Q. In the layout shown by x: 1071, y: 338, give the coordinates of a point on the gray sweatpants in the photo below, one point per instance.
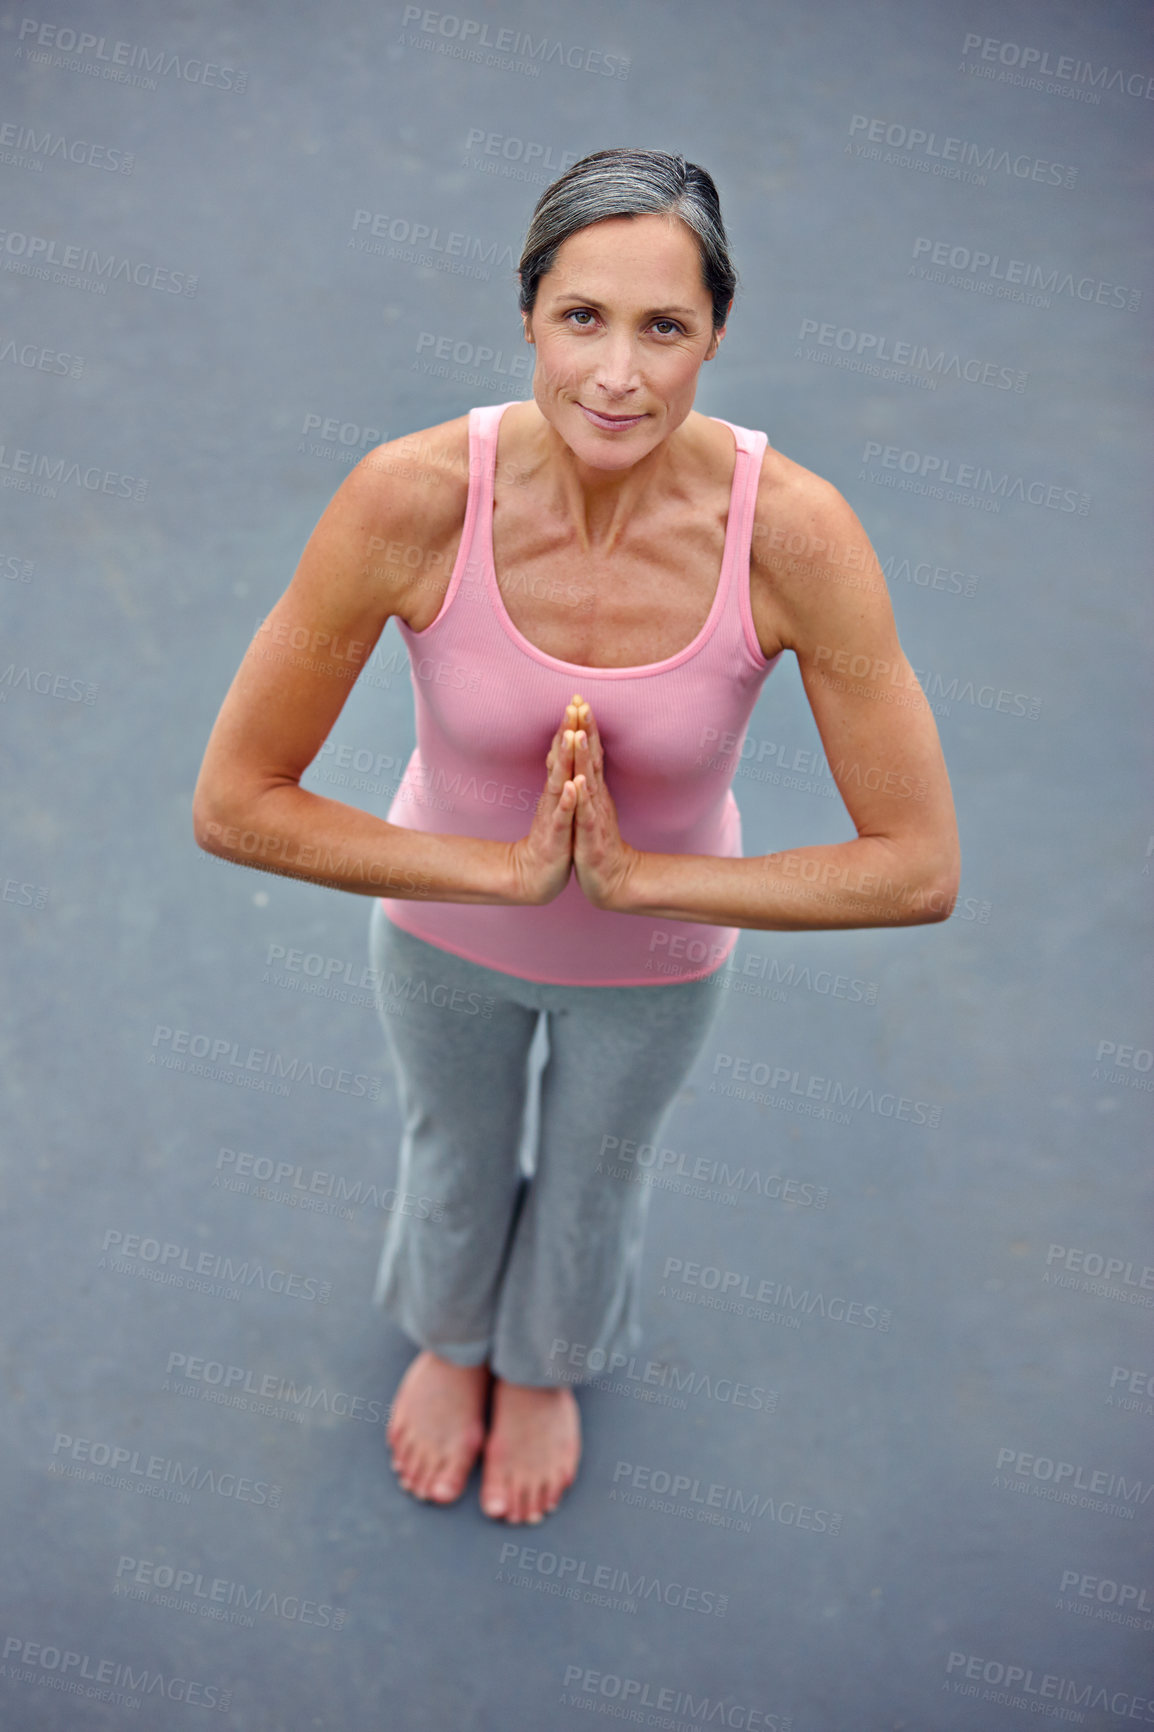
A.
x: 490, y: 1265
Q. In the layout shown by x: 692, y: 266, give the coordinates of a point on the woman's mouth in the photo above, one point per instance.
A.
x: 610, y: 423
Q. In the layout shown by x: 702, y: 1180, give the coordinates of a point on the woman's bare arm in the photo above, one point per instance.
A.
x: 296, y: 676
x: 879, y: 737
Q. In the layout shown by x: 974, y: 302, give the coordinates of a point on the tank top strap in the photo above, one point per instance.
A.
x: 736, y: 634
x: 483, y: 424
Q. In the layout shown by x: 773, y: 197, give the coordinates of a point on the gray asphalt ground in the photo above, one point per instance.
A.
x: 915, y: 1494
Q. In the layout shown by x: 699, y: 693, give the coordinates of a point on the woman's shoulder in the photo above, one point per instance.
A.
x: 422, y: 475
x: 788, y: 486
x: 795, y: 505
x: 807, y: 543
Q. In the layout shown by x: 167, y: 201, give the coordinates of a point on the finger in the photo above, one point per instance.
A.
x: 584, y: 755
x: 586, y: 720
x: 560, y: 760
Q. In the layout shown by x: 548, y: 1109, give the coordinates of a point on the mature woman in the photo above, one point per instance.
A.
x: 595, y: 582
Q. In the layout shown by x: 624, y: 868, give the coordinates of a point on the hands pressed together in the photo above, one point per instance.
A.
x: 575, y: 824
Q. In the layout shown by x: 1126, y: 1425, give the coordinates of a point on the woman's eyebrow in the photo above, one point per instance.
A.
x: 588, y: 301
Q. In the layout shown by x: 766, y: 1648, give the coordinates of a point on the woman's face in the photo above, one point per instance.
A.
x: 622, y: 325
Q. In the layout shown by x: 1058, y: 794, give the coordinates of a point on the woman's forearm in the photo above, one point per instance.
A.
x: 295, y: 833
x: 866, y: 882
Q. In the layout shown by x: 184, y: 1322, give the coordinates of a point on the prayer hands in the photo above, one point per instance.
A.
x: 602, y: 860
x: 575, y: 824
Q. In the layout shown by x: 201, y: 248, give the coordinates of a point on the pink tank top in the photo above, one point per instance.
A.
x: 487, y: 706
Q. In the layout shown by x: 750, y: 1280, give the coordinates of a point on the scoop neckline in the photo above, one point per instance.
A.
x: 519, y: 638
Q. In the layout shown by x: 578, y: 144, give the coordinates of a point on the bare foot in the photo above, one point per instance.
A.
x: 531, y: 1452
x: 437, y: 1426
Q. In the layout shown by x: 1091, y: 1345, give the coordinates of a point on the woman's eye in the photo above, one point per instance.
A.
x: 582, y: 314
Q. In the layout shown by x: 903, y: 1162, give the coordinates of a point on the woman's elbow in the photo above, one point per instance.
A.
x: 945, y: 881
x: 208, y: 828
x: 216, y: 815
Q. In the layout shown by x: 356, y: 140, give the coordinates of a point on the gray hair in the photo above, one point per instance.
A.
x: 615, y: 183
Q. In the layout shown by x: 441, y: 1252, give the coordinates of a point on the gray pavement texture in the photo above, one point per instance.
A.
x: 243, y: 243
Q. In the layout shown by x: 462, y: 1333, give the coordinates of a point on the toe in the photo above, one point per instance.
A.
x: 399, y: 1461
x: 446, y: 1482
x: 494, y: 1497
x: 410, y: 1470
x: 523, y: 1501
